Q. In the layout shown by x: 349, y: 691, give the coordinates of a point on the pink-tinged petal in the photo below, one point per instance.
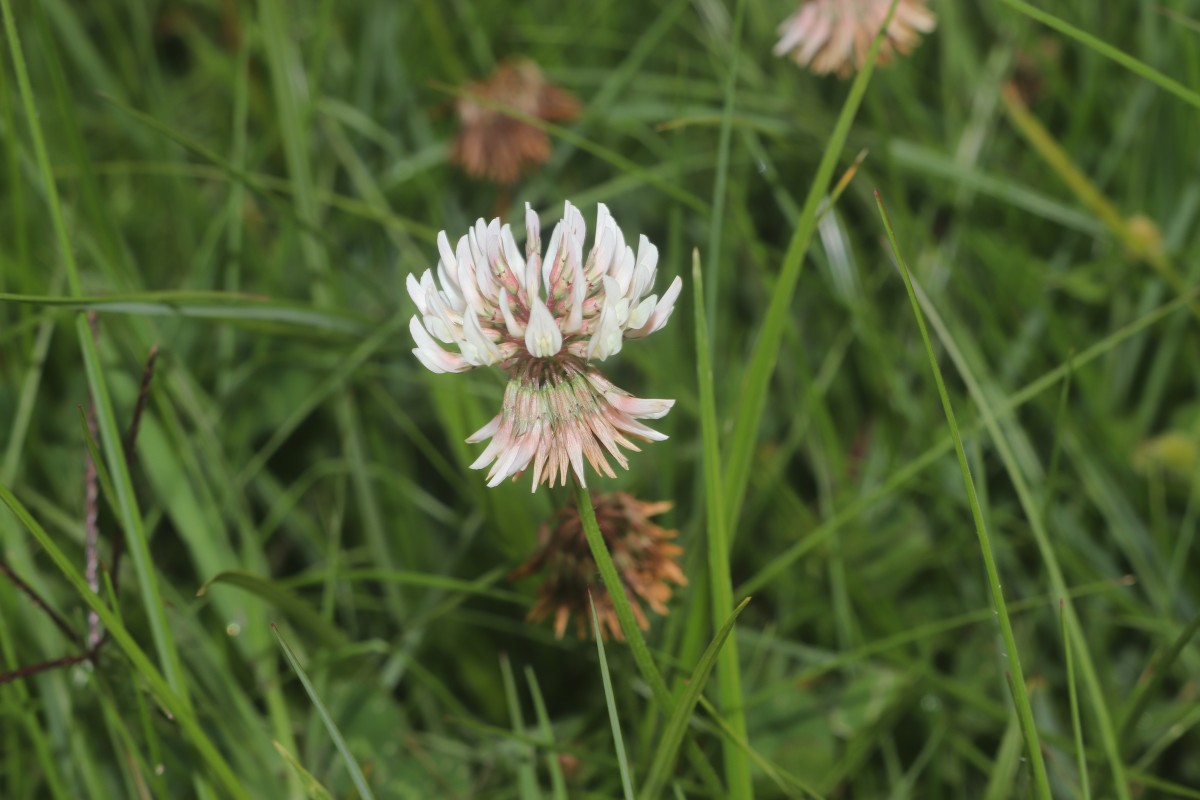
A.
x: 431, y: 354
x: 542, y: 336
x: 515, y: 328
x: 533, y: 233
x: 514, y: 264
x: 630, y: 425
x: 552, y: 265
x: 487, y: 431
x: 640, y: 408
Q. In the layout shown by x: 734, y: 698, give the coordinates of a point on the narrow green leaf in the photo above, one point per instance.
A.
x: 672, y: 735
x: 312, y: 786
x: 1085, y: 790
x: 610, y: 701
x: 301, y: 613
x: 1107, y: 50
x: 225, y: 306
x: 1033, y: 745
x: 757, y: 378
x: 356, y: 775
x: 729, y: 679
x: 558, y: 782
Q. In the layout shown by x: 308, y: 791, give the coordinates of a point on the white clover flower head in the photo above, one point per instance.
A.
x: 835, y: 35
x: 544, y: 322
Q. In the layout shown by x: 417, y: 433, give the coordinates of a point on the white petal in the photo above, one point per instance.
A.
x: 416, y: 292
x: 542, y: 337
x: 467, y: 283
x: 515, y: 328
x: 606, y: 341
x: 478, y: 349
x: 623, y: 270
x: 444, y: 250
x: 647, y: 267
x: 512, y: 254
x: 662, y: 311
x: 642, y: 313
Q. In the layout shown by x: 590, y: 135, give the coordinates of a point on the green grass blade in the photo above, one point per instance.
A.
x: 1032, y: 513
x: 1108, y: 51
x: 312, y: 786
x: 112, y: 623
x: 558, y: 782
x: 1154, y: 674
x: 620, y: 600
x: 299, y: 612
x: 67, y: 252
x: 729, y: 677
x: 527, y: 785
x: 907, y: 472
x: 205, y: 305
x: 1085, y: 789
x: 1020, y: 693
x: 757, y: 378
x: 611, y: 702
x: 356, y: 774
x: 672, y: 735
x: 717, y: 224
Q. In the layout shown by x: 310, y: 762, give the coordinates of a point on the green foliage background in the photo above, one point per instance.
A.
x: 298, y: 462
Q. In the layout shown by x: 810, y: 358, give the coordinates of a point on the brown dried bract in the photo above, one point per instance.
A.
x: 495, y: 146
x: 644, y: 555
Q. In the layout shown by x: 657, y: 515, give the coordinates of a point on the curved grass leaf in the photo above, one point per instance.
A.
x: 356, y: 774
x: 204, y: 305
x: 672, y: 735
x: 610, y: 701
x: 301, y: 613
x: 1020, y: 694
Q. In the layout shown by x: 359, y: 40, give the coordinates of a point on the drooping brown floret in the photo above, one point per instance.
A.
x: 495, y: 146
x: 644, y: 555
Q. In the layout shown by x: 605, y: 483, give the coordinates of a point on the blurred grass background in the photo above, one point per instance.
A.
x: 296, y: 452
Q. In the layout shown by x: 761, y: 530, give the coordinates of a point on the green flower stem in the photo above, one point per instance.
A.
x: 620, y: 600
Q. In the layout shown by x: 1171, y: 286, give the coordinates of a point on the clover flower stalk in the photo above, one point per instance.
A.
x: 546, y: 322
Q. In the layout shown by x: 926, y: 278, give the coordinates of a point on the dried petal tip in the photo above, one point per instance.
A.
x: 835, y: 35
x: 493, y: 145
x: 643, y: 552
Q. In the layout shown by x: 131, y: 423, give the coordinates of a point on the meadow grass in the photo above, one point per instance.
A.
x: 314, y: 602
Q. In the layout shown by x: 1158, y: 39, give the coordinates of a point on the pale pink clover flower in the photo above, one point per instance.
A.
x: 545, y: 322
x: 835, y: 35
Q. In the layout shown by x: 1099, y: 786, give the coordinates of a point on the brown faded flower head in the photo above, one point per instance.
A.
x: 493, y: 145
x: 835, y: 35
x: 643, y: 553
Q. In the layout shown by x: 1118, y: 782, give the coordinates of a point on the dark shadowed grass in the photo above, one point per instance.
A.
x: 246, y: 188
